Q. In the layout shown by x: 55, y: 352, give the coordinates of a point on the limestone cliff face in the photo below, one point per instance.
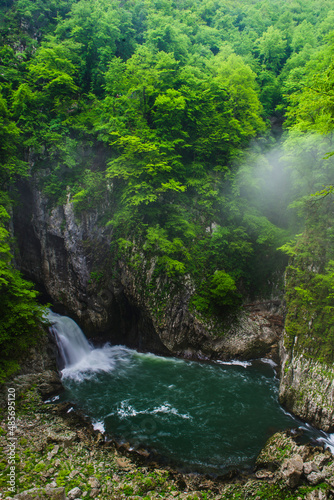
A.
x: 53, y: 254
x: 307, y: 373
x: 69, y: 257
x: 307, y: 388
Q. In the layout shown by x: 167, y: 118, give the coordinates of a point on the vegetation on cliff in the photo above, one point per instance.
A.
x: 164, y: 109
x: 310, y: 274
x: 19, y: 311
x: 310, y: 284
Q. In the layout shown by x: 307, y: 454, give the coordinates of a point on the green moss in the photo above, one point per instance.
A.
x: 40, y: 467
x: 127, y: 490
x: 309, y: 297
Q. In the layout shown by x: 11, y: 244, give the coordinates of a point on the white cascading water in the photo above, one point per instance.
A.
x: 81, y: 360
x: 72, y: 344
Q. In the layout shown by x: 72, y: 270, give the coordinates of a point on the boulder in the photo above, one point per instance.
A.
x: 316, y: 495
x: 310, y: 467
x: 42, y: 494
x: 291, y: 470
x: 65, y: 438
x: 94, y: 483
x: 278, y: 448
x: 315, y: 478
x: 74, y: 494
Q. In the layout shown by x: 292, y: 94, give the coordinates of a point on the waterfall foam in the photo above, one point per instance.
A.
x: 81, y: 360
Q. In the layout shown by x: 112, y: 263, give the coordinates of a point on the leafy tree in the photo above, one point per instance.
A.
x: 53, y: 73
x: 271, y: 47
x: 311, y: 108
x: 37, y: 15
x: 11, y: 165
x: 19, y: 311
x: 103, y: 29
x: 170, y: 254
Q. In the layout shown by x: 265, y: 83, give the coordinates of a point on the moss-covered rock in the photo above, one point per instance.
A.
x: 307, y: 389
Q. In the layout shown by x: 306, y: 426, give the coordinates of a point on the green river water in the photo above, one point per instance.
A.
x: 201, y: 416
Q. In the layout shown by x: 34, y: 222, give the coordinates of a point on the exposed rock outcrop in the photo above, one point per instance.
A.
x: 69, y: 257
x: 42, y: 494
x: 37, y: 368
x: 307, y: 389
x: 293, y: 464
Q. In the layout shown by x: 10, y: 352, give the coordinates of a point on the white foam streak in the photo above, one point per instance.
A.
x: 235, y: 362
x: 167, y: 408
x: 269, y: 362
x: 104, y: 359
x: 127, y: 410
x: 328, y: 441
x: 99, y: 426
x: 52, y: 400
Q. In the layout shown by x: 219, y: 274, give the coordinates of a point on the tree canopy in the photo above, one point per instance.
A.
x: 205, y: 123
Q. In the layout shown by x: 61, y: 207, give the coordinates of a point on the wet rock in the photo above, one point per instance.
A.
x: 74, y: 494
x: 49, y: 383
x: 279, y: 447
x: 42, y: 494
x: 46, y: 382
x: 291, y: 471
x: 144, y: 453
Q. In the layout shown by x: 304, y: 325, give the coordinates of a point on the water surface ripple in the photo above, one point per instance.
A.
x: 208, y: 417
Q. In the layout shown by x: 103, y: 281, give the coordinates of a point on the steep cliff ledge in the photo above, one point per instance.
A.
x: 307, y: 348
x: 117, y: 298
x: 307, y: 389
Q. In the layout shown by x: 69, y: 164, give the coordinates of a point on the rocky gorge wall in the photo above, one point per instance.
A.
x: 307, y: 388
x: 68, y: 256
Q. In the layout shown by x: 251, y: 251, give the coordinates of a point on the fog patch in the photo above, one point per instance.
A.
x: 275, y: 181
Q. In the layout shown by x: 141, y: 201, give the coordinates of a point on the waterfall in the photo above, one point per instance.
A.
x: 81, y: 360
x: 72, y: 343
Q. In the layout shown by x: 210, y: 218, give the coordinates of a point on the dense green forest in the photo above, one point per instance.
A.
x: 205, y: 126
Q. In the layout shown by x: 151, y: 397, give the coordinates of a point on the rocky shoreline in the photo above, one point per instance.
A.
x: 60, y: 456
